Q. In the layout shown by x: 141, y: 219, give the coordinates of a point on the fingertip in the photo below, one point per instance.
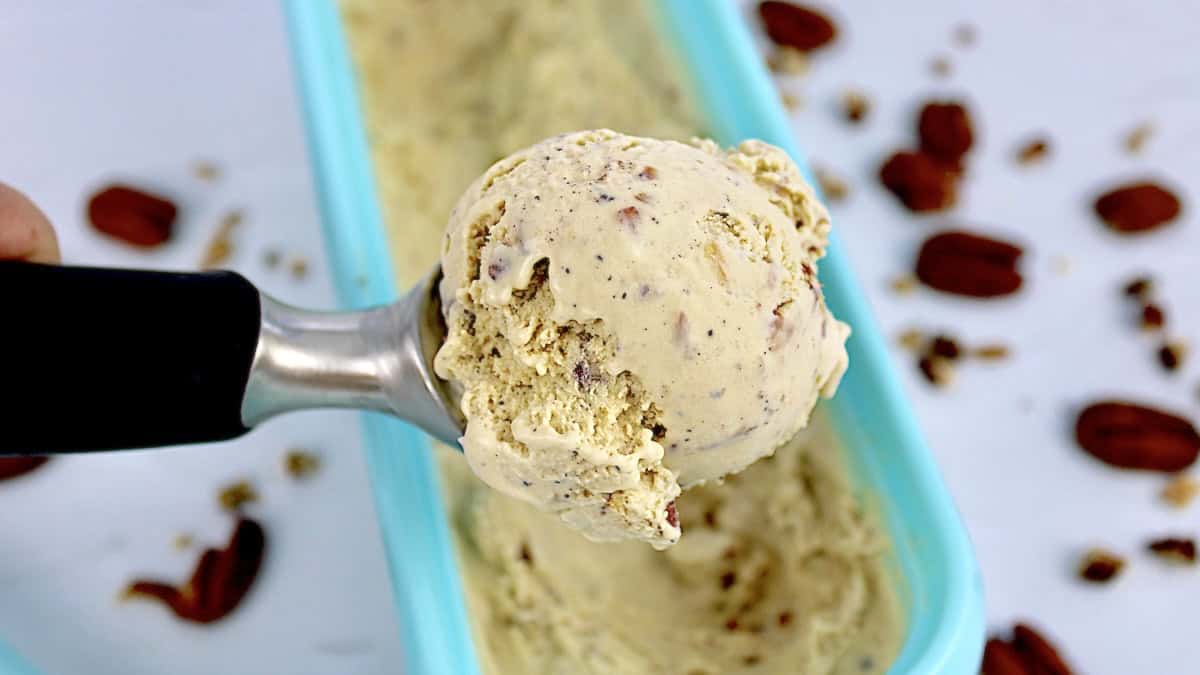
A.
x: 25, y: 232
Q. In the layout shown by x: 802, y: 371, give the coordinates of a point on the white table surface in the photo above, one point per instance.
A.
x: 95, y: 90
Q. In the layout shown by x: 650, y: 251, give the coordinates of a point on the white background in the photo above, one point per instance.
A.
x: 91, y: 91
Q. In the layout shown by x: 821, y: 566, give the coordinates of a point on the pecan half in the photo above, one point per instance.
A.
x: 131, y: 215
x: 795, y: 26
x: 1000, y: 658
x: 1132, y: 436
x: 220, y: 581
x: 1039, y: 655
x: 919, y: 181
x: 945, y: 130
x: 968, y: 264
x: 11, y: 467
x: 1137, y: 207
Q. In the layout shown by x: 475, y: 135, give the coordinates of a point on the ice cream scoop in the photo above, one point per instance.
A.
x: 102, y: 359
x: 629, y: 317
x: 615, y: 319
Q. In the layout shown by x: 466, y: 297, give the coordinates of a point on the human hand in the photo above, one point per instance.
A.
x: 25, y: 233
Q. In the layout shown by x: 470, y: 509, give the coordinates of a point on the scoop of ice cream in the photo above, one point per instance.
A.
x: 627, y: 316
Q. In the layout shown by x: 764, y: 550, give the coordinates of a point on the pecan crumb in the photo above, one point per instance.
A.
x: 752, y: 660
x: 904, y: 285
x: 496, y: 268
x: 1033, y: 151
x: 1153, y: 317
x: 1139, y: 287
x: 1062, y: 265
x: 300, y: 464
x: 728, y: 579
x: 272, y: 258
x: 235, y: 495
x: 658, y: 432
x: 299, y: 268
x: 786, y: 60
x: 585, y: 377
x: 940, y: 66
x: 1171, y: 355
x: 964, y: 35
x: 220, y: 247
x: 791, y: 101
x: 681, y: 330
x: 525, y: 554
x: 648, y: 173
x: 1135, y: 140
x: 833, y: 188
x: 945, y: 347
x: 629, y: 217
x: 1100, y: 566
x: 855, y: 106
x: 936, y: 370
x: 1174, y: 549
x: 182, y: 541
x: 672, y: 514
x: 1180, y: 491
x: 911, y: 339
x: 993, y: 352
x: 785, y: 617
x: 206, y: 171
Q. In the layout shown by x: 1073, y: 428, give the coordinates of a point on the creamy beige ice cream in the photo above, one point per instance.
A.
x: 778, y: 573
x: 448, y: 89
x: 454, y: 86
x: 627, y: 316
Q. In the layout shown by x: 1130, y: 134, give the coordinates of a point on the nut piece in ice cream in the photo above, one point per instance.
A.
x: 628, y: 317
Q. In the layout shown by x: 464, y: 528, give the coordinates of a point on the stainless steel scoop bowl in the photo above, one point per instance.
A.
x: 378, y: 359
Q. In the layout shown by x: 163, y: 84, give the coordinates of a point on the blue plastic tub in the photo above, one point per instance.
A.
x: 11, y: 663
x: 934, y: 564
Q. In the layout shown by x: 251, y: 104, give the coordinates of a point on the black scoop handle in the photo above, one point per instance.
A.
x: 103, y: 359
